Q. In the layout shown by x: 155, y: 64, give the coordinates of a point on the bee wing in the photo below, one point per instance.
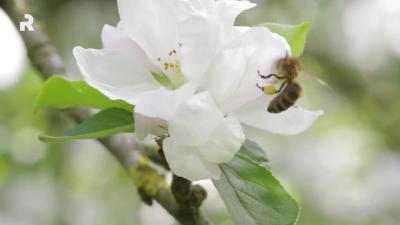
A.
x: 314, y: 77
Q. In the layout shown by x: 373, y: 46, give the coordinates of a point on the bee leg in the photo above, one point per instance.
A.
x: 273, y: 75
x: 287, y: 55
x: 270, y: 75
x: 281, y: 87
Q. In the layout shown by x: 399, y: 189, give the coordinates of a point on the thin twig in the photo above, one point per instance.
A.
x: 45, y: 58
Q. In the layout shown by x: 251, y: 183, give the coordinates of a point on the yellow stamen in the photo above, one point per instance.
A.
x: 173, y: 52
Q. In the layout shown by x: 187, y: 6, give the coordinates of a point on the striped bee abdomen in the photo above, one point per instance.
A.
x: 286, y: 98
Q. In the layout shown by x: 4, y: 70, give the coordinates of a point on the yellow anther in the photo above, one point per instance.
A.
x: 166, y: 66
x: 269, y: 90
x: 173, y: 52
x: 171, y: 65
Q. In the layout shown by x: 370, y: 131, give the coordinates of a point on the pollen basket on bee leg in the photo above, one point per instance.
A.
x: 269, y: 90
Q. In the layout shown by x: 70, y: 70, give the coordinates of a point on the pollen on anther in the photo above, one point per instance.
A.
x: 173, y: 52
x: 166, y: 66
x: 171, y: 65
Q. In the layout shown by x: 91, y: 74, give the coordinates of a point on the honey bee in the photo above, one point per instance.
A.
x: 290, y: 90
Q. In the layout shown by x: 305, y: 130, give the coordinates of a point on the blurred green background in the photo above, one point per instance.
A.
x: 344, y: 170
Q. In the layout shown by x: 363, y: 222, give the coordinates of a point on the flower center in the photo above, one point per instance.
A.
x: 171, y: 76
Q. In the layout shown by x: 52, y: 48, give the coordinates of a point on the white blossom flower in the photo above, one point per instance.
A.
x: 191, y: 74
x: 12, y: 52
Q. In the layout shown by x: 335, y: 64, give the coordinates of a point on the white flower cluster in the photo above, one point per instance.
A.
x: 191, y: 74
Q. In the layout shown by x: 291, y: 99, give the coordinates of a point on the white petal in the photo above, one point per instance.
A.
x: 12, y: 53
x: 292, y: 121
x: 187, y: 8
x: 196, y: 120
x: 225, y: 75
x: 263, y: 59
x: 116, y: 39
x: 199, y: 125
x: 201, y: 38
x: 205, y: 27
x: 184, y: 161
x: 224, y: 143
x: 152, y: 23
x: 232, y: 78
x: 263, y: 138
x: 162, y: 103
x: 256, y: 36
x: 225, y: 11
x: 228, y: 10
x: 263, y: 49
x: 156, y: 107
x: 145, y: 125
x: 117, y: 74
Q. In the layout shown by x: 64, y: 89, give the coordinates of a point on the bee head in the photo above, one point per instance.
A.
x: 289, y: 67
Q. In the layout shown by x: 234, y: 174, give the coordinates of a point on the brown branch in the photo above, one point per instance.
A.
x: 45, y: 58
x: 189, y: 197
x: 43, y: 55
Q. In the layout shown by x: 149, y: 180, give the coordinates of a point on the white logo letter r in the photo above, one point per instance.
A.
x: 28, y: 24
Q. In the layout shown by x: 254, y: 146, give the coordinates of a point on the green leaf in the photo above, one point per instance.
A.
x: 61, y: 93
x: 251, y: 193
x: 105, y: 123
x: 296, y: 35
